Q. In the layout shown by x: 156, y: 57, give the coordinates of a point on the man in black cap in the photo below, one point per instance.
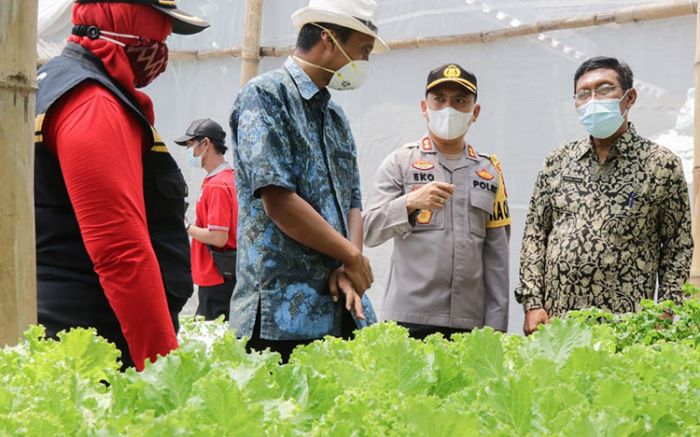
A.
x: 112, y: 253
x: 445, y: 207
x: 214, y: 231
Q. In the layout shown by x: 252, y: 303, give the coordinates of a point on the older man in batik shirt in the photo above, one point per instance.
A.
x: 610, y: 213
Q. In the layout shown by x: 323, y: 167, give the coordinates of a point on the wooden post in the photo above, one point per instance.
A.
x: 695, y: 265
x: 18, y: 21
x: 250, y: 55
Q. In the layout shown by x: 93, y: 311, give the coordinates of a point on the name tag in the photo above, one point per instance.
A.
x: 422, y: 177
x: 574, y: 179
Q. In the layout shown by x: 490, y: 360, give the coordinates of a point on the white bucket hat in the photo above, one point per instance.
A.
x: 359, y: 15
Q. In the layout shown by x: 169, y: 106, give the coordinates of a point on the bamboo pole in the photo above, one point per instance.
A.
x: 18, y: 21
x: 655, y: 11
x: 250, y: 55
x: 695, y: 264
x: 649, y: 12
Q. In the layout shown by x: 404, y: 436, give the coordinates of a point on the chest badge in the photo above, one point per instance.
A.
x: 423, y: 165
x: 424, y: 217
x: 484, y: 174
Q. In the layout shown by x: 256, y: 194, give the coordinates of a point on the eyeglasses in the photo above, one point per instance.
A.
x: 601, y: 91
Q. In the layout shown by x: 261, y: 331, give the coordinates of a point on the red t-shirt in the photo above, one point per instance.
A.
x: 217, y: 210
x: 100, y: 148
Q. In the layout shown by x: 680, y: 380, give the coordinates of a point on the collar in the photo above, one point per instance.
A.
x: 307, y: 88
x: 623, y: 146
x: 427, y: 146
x: 223, y: 166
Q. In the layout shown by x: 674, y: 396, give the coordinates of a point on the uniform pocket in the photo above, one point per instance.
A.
x: 426, y: 219
x: 631, y: 214
x: 631, y: 222
x: 430, y: 220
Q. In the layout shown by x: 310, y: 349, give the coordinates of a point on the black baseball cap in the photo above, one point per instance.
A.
x: 451, y: 73
x: 183, y: 23
x: 204, y: 127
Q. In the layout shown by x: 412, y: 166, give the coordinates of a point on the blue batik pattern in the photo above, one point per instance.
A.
x: 287, y: 133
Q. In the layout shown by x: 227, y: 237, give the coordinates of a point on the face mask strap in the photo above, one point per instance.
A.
x: 304, y: 61
x: 337, y: 43
x: 93, y: 32
x: 623, y: 96
x: 199, y: 143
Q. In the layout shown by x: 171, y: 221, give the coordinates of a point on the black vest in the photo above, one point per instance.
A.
x: 61, y: 254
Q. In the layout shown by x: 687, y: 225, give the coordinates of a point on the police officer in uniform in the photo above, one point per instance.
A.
x: 445, y: 207
x: 112, y: 251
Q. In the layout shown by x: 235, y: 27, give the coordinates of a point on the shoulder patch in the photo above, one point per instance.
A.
x: 495, y: 162
x: 501, y: 213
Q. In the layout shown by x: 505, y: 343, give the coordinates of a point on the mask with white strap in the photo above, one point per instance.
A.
x: 350, y: 76
x: 148, y: 58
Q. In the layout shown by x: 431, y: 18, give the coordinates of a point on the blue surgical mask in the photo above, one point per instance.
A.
x: 601, y: 117
x: 195, y: 161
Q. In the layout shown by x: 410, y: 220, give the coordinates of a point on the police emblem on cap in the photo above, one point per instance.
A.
x: 452, y: 71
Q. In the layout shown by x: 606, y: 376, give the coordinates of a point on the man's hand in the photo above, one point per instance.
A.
x: 340, y: 283
x: 430, y: 196
x: 359, y: 272
x: 533, y: 319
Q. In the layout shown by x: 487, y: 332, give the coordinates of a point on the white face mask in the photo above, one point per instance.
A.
x: 195, y: 161
x: 449, y: 123
x: 350, y: 76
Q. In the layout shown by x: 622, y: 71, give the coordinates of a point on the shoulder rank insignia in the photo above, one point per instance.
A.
x: 471, y: 152
x: 484, y: 174
x: 426, y: 145
x: 423, y: 165
x: 424, y: 217
x: 496, y: 162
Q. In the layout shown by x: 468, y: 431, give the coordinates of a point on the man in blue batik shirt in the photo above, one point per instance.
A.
x: 300, y: 270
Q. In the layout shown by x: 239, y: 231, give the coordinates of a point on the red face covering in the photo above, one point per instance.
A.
x: 146, y: 60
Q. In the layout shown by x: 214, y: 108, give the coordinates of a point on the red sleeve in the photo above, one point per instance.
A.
x: 222, y: 209
x: 99, y: 147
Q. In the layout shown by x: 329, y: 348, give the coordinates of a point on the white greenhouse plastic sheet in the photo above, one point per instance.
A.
x: 525, y: 85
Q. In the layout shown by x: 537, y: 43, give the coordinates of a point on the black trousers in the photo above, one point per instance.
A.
x: 419, y: 332
x: 215, y: 300
x: 285, y: 347
x: 66, y: 304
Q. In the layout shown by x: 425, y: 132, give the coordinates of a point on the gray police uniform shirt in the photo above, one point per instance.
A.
x: 450, y: 266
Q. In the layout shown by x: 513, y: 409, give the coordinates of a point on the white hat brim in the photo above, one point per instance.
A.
x: 312, y: 15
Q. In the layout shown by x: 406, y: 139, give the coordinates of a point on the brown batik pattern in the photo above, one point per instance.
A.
x: 599, y: 235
